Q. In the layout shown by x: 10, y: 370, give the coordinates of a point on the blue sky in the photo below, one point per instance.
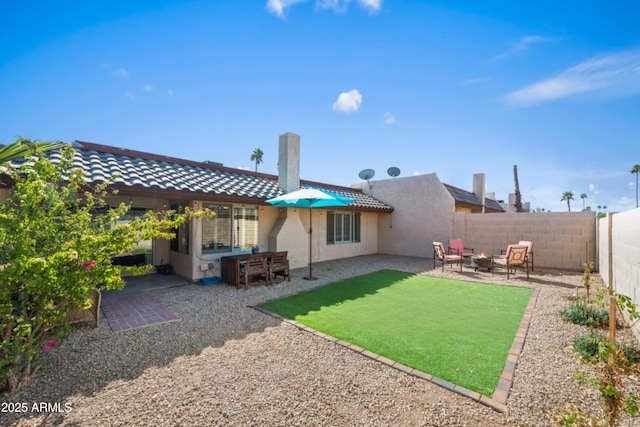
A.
x: 454, y: 88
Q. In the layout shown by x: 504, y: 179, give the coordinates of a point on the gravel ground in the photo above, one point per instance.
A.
x: 227, y: 364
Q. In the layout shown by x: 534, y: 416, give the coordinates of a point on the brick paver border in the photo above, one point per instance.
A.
x: 499, y: 399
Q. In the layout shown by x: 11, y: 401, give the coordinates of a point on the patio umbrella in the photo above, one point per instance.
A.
x: 309, y: 198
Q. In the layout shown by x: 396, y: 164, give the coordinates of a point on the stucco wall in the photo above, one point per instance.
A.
x: 293, y: 236
x: 423, y: 213
x: 625, y: 252
x: 290, y: 233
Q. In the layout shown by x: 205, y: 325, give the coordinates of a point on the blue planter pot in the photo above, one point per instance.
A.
x: 165, y: 269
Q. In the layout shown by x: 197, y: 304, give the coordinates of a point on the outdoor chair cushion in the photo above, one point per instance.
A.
x: 439, y: 254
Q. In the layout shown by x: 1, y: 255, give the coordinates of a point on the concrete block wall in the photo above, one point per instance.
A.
x: 560, y: 240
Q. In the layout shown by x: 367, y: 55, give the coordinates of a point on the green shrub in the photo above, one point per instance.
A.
x: 589, y: 347
x: 582, y: 313
x: 57, y: 239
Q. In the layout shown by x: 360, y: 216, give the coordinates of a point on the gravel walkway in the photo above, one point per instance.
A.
x: 227, y: 364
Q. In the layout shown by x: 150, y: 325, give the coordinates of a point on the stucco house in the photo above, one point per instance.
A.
x: 394, y: 216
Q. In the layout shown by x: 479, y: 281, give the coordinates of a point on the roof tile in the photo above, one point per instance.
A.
x: 101, y: 163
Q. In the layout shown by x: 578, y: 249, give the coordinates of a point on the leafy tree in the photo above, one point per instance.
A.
x: 56, y: 243
x: 583, y: 196
x: 636, y: 169
x: 568, y: 196
x: 22, y: 147
x: 257, y: 157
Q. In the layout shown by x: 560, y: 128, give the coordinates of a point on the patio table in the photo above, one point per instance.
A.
x: 230, y: 267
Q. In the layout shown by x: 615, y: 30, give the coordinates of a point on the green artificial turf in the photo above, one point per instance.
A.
x: 458, y: 331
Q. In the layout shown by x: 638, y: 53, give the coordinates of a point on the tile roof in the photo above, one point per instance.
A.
x: 134, y: 169
x: 464, y: 196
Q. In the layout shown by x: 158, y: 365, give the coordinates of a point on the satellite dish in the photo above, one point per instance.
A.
x: 393, y: 171
x: 367, y: 174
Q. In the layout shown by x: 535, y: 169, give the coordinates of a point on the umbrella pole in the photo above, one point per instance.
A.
x: 310, y: 239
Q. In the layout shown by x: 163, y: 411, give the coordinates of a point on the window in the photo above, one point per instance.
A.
x: 232, y: 228
x: 142, y: 253
x: 181, y: 242
x: 216, y: 231
x: 343, y: 227
x: 246, y: 227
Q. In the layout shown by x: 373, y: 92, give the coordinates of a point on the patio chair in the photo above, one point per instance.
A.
x: 439, y: 254
x: 529, y: 246
x: 456, y: 247
x: 516, y: 257
x: 255, y: 267
x: 279, y: 265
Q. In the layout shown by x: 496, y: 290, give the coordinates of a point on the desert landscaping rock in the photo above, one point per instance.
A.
x: 227, y: 364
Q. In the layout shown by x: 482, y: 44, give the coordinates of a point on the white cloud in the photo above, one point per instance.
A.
x: 415, y: 173
x: 341, y: 6
x: 373, y: 6
x: 147, y: 88
x: 169, y: 92
x: 348, y: 102
x: 121, y: 72
x: 130, y: 95
x: 521, y: 46
x: 595, y: 189
x: 615, y: 74
x: 626, y: 201
x: 389, y: 118
x: 631, y: 185
x: 475, y: 80
x: 278, y: 7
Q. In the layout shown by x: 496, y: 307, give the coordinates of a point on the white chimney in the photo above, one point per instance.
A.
x: 479, y: 188
x: 289, y: 162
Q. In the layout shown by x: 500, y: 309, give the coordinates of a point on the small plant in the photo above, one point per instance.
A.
x: 588, y: 347
x: 571, y: 416
x: 586, y: 276
x: 613, y: 361
x: 581, y: 312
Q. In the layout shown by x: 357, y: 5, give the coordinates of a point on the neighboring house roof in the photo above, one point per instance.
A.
x: 468, y: 198
x: 146, y: 171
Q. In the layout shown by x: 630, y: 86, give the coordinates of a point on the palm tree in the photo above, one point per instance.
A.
x: 518, y: 203
x: 583, y: 196
x: 22, y: 146
x: 568, y: 196
x: 257, y: 157
x: 636, y: 169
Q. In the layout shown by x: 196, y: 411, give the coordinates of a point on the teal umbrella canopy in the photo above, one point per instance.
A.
x: 310, y: 198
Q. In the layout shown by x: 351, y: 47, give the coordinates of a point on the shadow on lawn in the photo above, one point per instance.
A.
x: 337, y: 293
